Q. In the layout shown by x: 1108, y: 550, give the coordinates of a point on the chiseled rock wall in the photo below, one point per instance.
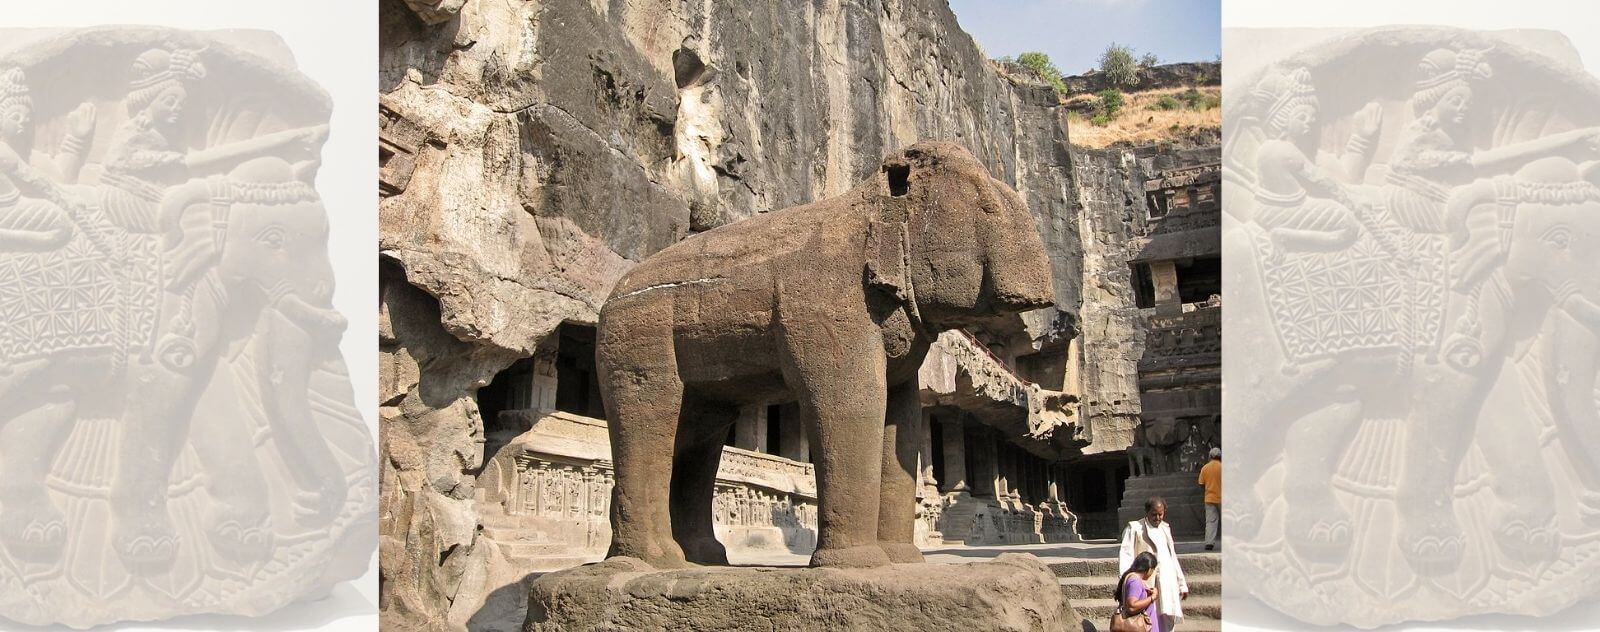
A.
x: 541, y: 148
x: 1109, y: 186
x: 1110, y: 191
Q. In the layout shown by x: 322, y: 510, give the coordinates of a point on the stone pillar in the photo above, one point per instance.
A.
x: 750, y: 431
x: 544, y: 381
x: 1002, y: 469
x: 925, y: 450
x: 1036, y: 478
x: 985, y: 481
x: 796, y: 445
x: 1111, y: 487
x: 955, y: 456
x: 1164, y: 276
x: 1055, y: 482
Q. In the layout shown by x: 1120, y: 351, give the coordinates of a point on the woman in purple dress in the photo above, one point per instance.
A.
x: 1134, y: 592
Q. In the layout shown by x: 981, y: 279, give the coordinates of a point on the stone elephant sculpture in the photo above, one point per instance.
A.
x: 246, y: 259
x: 834, y: 303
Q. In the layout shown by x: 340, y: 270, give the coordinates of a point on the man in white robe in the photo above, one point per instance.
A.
x: 1152, y: 533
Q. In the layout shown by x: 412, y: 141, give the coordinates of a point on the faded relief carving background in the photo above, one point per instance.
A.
x: 178, y: 432
x: 1411, y: 243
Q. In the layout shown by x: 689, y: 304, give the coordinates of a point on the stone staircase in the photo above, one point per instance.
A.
x: 1185, y: 502
x: 1089, y: 582
x: 528, y: 548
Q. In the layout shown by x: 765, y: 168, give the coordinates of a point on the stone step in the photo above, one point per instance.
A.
x: 1100, y: 586
x: 1190, y: 624
x: 1193, y: 564
x: 514, y: 534
x: 522, y: 550
x: 1099, y: 610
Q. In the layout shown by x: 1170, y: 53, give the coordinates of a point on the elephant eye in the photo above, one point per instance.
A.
x: 272, y: 237
x: 1559, y: 237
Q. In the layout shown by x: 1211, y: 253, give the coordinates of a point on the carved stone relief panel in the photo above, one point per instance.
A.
x: 176, y: 435
x: 1412, y: 256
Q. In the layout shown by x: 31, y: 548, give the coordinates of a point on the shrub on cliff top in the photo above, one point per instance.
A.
x: 1117, y: 62
x: 1040, y: 63
x: 1111, y: 102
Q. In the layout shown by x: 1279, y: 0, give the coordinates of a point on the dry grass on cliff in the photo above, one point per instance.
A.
x: 1141, y: 120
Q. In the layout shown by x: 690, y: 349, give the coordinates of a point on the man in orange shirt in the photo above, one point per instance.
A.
x: 1211, y: 479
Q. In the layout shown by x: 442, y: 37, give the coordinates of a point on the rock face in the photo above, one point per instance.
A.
x: 1013, y: 592
x: 533, y: 152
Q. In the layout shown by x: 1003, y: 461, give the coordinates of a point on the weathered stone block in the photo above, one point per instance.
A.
x: 1012, y: 592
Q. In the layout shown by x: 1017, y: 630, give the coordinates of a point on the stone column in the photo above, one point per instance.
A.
x: 544, y: 381
x: 1164, y: 276
x: 985, y: 481
x: 750, y: 431
x: 1055, y: 482
x: 927, y: 450
x: 1002, y: 468
x: 796, y: 446
x: 955, y: 456
x: 1111, y: 486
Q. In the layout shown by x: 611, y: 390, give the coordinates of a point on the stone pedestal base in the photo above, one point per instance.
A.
x: 1013, y: 592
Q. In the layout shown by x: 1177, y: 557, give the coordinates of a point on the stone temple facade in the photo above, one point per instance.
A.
x: 533, y: 152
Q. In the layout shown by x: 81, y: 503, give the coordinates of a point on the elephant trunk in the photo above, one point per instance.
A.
x: 1584, y: 310
x: 1572, y: 356
x: 289, y: 353
x: 1018, y: 269
x: 318, y: 321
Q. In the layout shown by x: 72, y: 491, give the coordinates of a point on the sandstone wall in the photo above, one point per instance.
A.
x: 1109, y: 190
x: 534, y: 150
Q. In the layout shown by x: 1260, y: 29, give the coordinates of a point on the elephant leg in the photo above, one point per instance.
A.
x: 1266, y: 413
x: 701, y: 429
x: 238, y: 524
x: 643, y: 396
x: 1446, y: 402
x: 897, y: 502
x: 155, y: 430
x: 835, y: 368
x: 31, y: 526
x: 1524, y: 518
x: 1317, y: 526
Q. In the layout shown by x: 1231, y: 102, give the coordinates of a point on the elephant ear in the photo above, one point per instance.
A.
x: 194, y: 219
x: 886, y: 259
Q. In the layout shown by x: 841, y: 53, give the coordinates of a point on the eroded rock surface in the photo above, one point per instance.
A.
x: 1014, y: 592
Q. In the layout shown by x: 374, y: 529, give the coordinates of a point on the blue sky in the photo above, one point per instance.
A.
x: 1074, y: 32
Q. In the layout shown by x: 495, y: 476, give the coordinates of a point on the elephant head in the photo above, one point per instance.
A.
x: 259, y: 237
x: 1541, y: 227
x: 959, y: 245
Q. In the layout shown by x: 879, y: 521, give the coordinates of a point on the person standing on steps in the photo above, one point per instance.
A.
x: 1151, y: 534
x: 1211, y: 479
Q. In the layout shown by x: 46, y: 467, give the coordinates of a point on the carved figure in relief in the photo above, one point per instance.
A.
x: 833, y: 303
x: 32, y: 227
x: 1302, y: 208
